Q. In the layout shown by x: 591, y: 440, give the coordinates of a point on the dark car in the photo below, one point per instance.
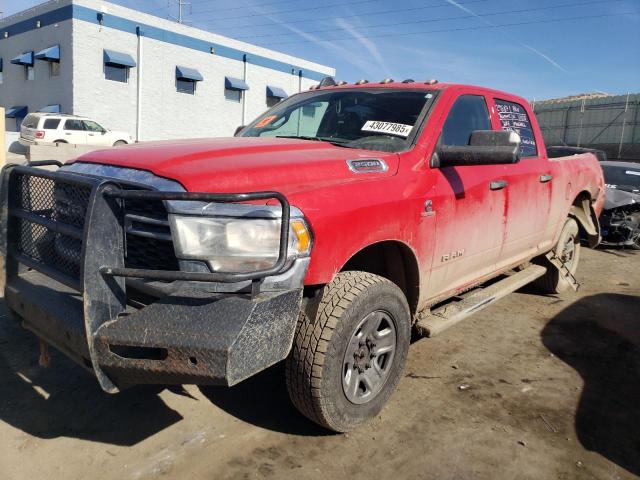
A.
x: 620, y: 219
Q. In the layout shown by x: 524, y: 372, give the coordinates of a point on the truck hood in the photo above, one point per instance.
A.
x: 244, y: 164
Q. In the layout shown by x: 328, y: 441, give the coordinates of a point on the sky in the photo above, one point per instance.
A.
x: 538, y: 49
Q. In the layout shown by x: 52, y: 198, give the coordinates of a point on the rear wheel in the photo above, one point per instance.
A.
x: 568, y: 250
x: 119, y: 142
x: 348, y: 359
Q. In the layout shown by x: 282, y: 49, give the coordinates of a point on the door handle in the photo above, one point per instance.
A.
x: 498, y: 184
x: 546, y: 178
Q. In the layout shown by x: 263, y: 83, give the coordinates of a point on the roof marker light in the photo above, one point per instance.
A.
x: 387, y: 80
x: 327, y: 82
x: 362, y: 82
x: 408, y: 80
x: 433, y: 81
x: 341, y: 82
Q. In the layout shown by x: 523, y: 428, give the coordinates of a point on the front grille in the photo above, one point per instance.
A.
x: 149, y: 243
x: 65, y: 203
x: 148, y: 236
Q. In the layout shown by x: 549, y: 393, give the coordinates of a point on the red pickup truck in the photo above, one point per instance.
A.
x: 321, y: 235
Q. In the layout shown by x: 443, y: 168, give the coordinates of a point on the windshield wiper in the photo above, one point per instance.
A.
x: 332, y: 140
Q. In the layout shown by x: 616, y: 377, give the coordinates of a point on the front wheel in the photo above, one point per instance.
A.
x: 347, y: 360
x: 119, y: 142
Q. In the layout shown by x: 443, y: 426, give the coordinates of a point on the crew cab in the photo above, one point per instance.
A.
x: 320, y: 235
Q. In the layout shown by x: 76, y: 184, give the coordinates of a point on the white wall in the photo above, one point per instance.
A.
x: 43, y: 90
x: 166, y: 113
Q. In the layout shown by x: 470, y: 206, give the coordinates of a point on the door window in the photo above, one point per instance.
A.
x: 92, y: 126
x: 514, y: 118
x: 73, y: 125
x: 469, y: 113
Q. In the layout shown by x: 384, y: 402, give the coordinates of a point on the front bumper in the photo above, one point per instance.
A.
x: 193, y: 335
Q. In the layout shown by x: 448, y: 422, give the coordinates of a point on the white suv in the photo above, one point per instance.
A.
x: 39, y: 128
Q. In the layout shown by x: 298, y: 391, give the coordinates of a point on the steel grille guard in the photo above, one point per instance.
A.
x: 102, y: 271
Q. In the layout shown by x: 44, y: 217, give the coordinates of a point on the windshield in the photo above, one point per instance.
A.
x: 622, y: 178
x: 371, y: 119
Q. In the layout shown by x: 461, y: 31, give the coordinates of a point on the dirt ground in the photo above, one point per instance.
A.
x: 552, y: 391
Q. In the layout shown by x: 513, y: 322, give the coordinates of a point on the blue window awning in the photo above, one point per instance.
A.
x: 51, y: 54
x: 235, y: 84
x: 51, y: 108
x: 118, y: 59
x: 16, y: 112
x: 24, y: 59
x: 184, y: 73
x: 276, y: 92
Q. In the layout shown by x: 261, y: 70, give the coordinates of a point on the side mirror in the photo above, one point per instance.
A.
x: 238, y: 130
x: 486, y: 147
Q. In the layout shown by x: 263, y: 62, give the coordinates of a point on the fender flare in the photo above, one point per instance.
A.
x: 587, y: 219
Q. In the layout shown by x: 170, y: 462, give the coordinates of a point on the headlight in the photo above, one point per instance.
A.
x: 236, y: 245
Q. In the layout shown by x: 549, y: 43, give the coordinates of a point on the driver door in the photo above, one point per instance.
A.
x: 469, y: 203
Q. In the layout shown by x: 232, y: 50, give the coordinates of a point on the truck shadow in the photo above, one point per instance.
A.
x: 599, y: 336
x: 66, y: 401
x: 263, y: 401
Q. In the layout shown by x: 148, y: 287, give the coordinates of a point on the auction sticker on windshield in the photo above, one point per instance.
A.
x: 399, y: 129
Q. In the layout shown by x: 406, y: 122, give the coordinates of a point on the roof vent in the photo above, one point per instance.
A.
x: 362, y: 82
x: 387, y: 80
x: 408, y: 80
x: 433, y: 81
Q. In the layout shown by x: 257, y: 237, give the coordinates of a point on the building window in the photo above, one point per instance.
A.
x: 233, y: 95
x: 29, y: 73
x: 186, y: 86
x: 116, y: 73
x: 54, y: 69
x: 1, y: 78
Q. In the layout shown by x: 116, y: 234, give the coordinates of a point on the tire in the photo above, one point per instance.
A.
x: 569, y: 240
x: 119, y: 142
x: 60, y: 141
x: 321, y: 369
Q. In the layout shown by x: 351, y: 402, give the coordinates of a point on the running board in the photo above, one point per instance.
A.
x: 436, y: 321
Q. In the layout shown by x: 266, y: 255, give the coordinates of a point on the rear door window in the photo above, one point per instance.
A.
x: 514, y: 118
x: 469, y: 113
x: 51, y: 123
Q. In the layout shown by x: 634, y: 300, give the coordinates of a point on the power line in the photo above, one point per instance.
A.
x: 197, y: 2
x: 430, y: 20
x: 364, y: 14
x: 450, y: 30
x: 306, y: 9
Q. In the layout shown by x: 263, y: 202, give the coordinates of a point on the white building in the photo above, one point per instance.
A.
x: 136, y: 72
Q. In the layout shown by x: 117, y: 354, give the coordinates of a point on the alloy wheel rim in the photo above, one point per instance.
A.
x: 369, y: 357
